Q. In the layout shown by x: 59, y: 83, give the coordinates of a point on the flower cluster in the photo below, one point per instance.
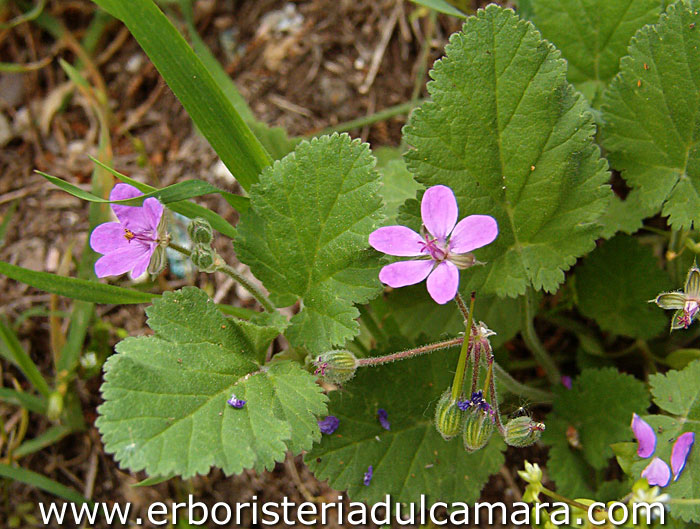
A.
x: 442, y: 249
x: 657, y: 471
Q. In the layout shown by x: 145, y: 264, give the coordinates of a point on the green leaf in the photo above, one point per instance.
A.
x: 306, y: 236
x: 25, y: 400
x: 194, y: 86
x: 592, y: 34
x: 398, y: 185
x: 75, y: 288
x: 614, y: 285
x: 410, y: 459
x: 513, y: 140
x: 165, y: 407
x: 11, y: 349
x: 651, y: 113
x: 441, y: 6
x: 680, y: 358
x: 598, y: 408
x: 625, y: 215
x: 41, y: 482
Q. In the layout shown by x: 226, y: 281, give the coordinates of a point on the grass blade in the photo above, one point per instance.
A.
x: 41, y: 482
x: 11, y: 349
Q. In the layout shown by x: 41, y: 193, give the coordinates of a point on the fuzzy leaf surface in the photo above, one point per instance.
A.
x: 306, y: 233
x: 592, y: 35
x: 651, y: 115
x: 598, y: 408
x: 614, y: 284
x: 514, y: 140
x: 165, y: 395
x: 410, y: 459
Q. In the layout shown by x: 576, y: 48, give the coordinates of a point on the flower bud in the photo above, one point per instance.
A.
x: 336, y: 366
x: 158, y: 261
x: 200, y: 231
x: 55, y: 406
x: 448, y: 416
x: 204, y: 258
x: 523, y: 431
x: 478, y: 429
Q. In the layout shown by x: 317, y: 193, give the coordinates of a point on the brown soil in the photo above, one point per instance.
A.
x: 317, y: 74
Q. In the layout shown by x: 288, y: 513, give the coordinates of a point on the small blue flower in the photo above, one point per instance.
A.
x: 383, y: 417
x: 329, y: 424
x: 368, y: 475
x: 236, y: 403
x: 477, y: 401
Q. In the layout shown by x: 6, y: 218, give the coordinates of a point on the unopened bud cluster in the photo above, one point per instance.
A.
x: 203, y: 256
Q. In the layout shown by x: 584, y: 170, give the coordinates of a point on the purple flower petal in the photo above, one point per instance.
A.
x: 473, y: 232
x: 680, y: 452
x: 329, y: 424
x: 108, y: 237
x: 405, y: 273
x: 383, y: 417
x: 397, y: 240
x: 566, y: 381
x: 657, y: 473
x: 141, y: 265
x: 443, y: 282
x: 367, y: 479
x: 439, y: 211
x: 131, y: 216
x: 153, y: 211
x: 646, y: 438
x: 122, y: 260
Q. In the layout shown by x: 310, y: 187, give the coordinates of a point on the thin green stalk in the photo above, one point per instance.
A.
x: 518, y: 388
x: 464, y: 353
x: 232, y: 273
x: 382, y: 115
x: 532, y: 340
x: 408, y: 353
x: 564, y: 499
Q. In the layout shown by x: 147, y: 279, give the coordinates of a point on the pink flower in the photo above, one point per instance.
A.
x: 443, y: 249
x: 657, y: 472
x: 131, y: 243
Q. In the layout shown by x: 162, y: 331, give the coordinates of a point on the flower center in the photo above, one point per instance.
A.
x: 437, y: 250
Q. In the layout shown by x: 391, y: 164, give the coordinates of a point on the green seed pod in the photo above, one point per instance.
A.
x: 158, y: 261
x: 336, y: 366
x: 478, y: 429
x: 200, y: 231
x: 204, y: 258
x: 448, y: 416
x: 523, y: 431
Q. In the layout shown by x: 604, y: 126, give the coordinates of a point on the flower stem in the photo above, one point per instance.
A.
x: 458, y: 380
x: 462, y: 307
x: 532, y: 340
x: 408, y: 353
x: 232, y: 273
x: 563, y: 499
x: 518, y: 388
x: 494, y: 398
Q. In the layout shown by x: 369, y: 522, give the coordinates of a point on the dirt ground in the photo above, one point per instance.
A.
x: 304, y: 66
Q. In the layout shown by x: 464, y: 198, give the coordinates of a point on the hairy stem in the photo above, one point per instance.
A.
x: 408, y: 353
x: 563, y: 499
x: 232, y: 273
x: 532, y: 340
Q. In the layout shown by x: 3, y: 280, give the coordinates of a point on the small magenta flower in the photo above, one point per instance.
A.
x: 443, y: 248
x: 383, y: 417
x: 657, y: 471
x: 566, y: 381
x: 367, y: 479
x: 136, y: 243
x: 686, y: 303
x: 235, y: 402
x: 329, y: 424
